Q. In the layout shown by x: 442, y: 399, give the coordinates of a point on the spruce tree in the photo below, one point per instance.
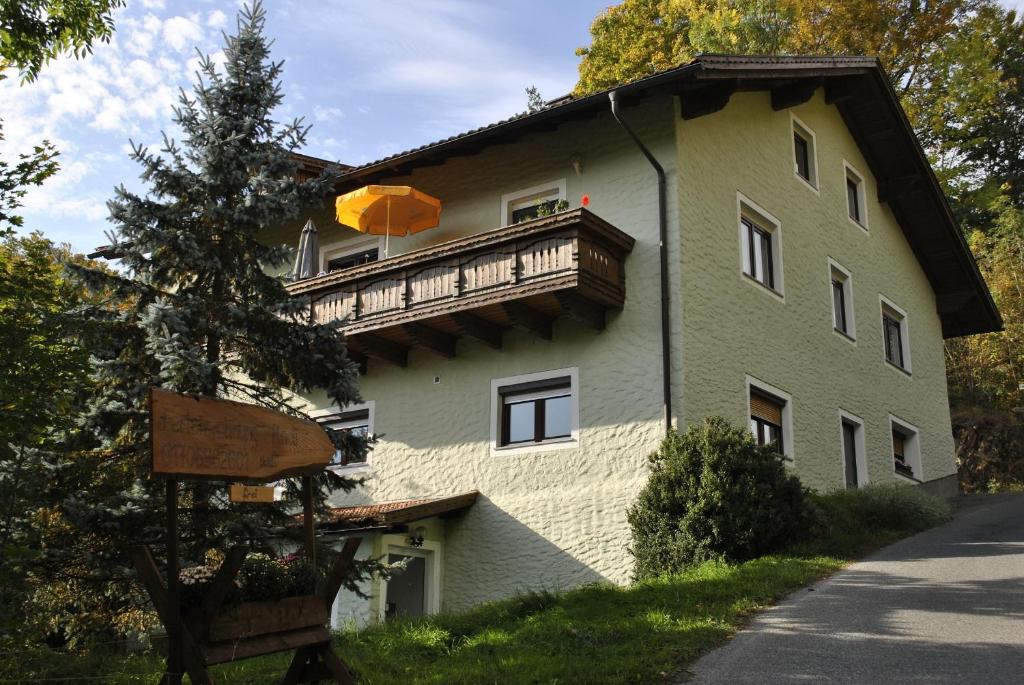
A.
x: 197, y: 309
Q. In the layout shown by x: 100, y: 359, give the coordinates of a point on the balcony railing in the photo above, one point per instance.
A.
x: 525, y: 275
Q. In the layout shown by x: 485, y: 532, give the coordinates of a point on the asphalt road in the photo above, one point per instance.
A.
x: 945, y: 606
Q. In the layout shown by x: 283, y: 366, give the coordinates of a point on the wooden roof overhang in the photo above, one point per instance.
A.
x: 387, y: 515
x: 861, y: 91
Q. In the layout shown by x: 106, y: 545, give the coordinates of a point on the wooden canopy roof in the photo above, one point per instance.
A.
x: 389, y: 513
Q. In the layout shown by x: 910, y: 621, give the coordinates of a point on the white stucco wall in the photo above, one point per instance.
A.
x: 733, y: 327
x: 550, y: 519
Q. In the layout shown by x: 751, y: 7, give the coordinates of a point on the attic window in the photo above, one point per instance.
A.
x: 856, y: 205
x: 804, y: 154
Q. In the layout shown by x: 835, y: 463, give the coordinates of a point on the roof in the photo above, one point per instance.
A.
x: 390, y: 513
x: 857, y: 86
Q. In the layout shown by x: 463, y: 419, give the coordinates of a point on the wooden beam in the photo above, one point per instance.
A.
x: 483, y: 330
x: 581, y: 309
x: 881, y: 134
x: 891, y: 188
x: 529, y: 318
x: 431, y: 339
x: 706, y: 100
x: 792, y: 94
x: 841, y: 88
x: 380, y: 348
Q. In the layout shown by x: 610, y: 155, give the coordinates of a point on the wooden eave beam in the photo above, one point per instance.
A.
x: 707, y: 100
x: 581, y: 309
x: 842, y: 88
x: 895, y: 187
x: 474, y: 326
x: 431, y: 339
x: 380, y: 348
x: 529, y: 318
x: 792, y: 94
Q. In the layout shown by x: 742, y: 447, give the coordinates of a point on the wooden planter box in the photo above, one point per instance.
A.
x: 253, y: 628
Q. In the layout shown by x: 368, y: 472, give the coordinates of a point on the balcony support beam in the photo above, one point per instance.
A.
x: 380, y: 348
x: 359, y: 358
x: 431, y: 339
x: 483, y: 330
x: 583, y: 310
x: 529, y: 318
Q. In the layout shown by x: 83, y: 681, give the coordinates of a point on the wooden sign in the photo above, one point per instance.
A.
x: 204, y: 437
x: 251, y: 493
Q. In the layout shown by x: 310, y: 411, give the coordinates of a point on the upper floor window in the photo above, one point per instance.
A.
x: 855, y: 198
x: 523, y: 205
x: 356, y: 421
x: 906, y: 449
x: 760, y: 247
x: 842, y: 299
x: 894, y: 335
x: 350, y: 253
x: 535, y: 410
x: 804, y: 155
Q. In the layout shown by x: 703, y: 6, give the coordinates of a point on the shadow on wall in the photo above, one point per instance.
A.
x: 491, y: 555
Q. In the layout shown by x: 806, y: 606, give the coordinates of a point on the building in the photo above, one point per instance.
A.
x: 519, y: 370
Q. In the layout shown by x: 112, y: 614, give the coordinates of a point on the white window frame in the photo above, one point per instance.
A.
x: 343, y: 248
x: 911, y: 448
x: 835, y: 269
x: 904, y: 321
x: 572, y: 442
x: 797, y: 126
x: 756, y: 384
x: 370, y: 408
x: 751, y: 211
x: 851, y: 172
x: 859, y: 444
x: 431, y: 550
x: 552, y: 190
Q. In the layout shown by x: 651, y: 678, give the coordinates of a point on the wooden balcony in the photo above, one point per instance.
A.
x: 527, y: 275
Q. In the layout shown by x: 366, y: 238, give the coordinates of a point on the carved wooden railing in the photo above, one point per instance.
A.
x: 576, y: 257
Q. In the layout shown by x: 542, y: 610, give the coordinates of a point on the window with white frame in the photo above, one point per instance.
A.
x: 350, y: 253
x: 851, y: 431
x: 841, y: 287
x: 906, y: 449
x: 770, y: 416
x: 760, y: 246
x: 804, y: 154
x: 856, y: 201
x: 347, y: 429
x: 535, y: 411
x: 523, y: 205
x: 895, y: 335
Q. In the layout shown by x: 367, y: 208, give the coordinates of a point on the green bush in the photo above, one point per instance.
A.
x: 891, y: 507
x: 713, y: 493
x: 262, y: 578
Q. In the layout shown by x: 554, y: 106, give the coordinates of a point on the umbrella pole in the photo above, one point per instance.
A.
x: 387, y: 228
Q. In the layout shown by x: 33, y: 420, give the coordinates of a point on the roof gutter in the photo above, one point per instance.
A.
x: 666, y: 349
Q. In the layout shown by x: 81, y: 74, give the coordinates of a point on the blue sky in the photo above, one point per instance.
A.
x: 373, y: 78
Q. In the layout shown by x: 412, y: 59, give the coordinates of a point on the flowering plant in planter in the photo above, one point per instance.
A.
x: 260, y: 578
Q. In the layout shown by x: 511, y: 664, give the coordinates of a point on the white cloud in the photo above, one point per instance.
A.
x: 182, y: 33
x: 154, y: 4
x: 326, y: 113
x: 217, y: 19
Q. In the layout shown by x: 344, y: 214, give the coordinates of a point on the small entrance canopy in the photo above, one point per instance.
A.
x: 387, y: 514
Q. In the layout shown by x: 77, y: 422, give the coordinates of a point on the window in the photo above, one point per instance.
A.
x: 350, y: 253
x: 842, y: 299
x: 804, y: 156
x: 851, y: 431
x: 759, y: 263
x: 356, y: 421
x: 523, y: 205
x: 894, y: 335
x: 906, y: 449
x: 770, y: 416
x: 855, y: 201
x: 760, y: 246
x: 536, y: 410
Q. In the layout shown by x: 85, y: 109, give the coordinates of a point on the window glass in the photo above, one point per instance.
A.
x: 839, y: 305
x: 757, y: 244
x: 893, y: 340
x: 853, y: 199
x: 339, y: 427
x: 802, y: 150
x: 350, y: 260
x: 520, y: 418
x: 557, y: 417
x: 532, y: 211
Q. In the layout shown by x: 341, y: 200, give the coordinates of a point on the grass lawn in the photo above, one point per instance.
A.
x: 648, y: 632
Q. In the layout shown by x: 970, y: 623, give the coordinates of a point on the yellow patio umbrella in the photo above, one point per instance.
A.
x: 388, y: 211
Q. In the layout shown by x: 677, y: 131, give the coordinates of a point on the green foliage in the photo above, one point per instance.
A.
x: 888, y: 507
x: 31, y: 169
x: 262, y: 577
x: 534, y: 101
x: 713, y: 493
x: 989, y: 449
x: 32, y: 32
